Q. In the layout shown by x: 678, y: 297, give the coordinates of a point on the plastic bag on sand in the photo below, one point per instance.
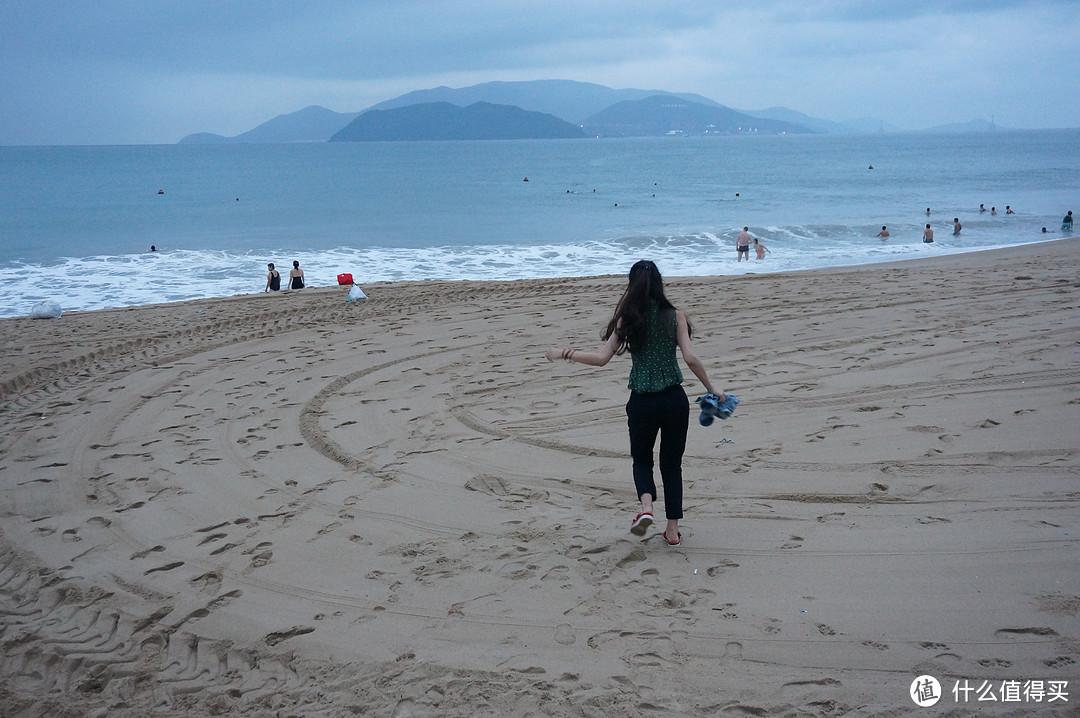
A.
x: 356, y: 294
x: 47, y: 309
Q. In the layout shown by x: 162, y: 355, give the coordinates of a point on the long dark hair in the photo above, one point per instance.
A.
x: 630, y: 322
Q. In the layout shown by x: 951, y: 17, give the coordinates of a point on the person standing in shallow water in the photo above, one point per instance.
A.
x: 296, y: 276
x: 649, y: 325
x: 742, y: 244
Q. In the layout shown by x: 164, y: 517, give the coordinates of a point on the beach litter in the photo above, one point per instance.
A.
x: 47, y: 309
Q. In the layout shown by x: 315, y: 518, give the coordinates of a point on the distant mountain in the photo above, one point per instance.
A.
x: 446, y: 121
x: 783, y: 114
x: 567, y: 99
x: 670, y: 115
x: 204, y: 138
x: 311, y: 124
x: 973, y: 126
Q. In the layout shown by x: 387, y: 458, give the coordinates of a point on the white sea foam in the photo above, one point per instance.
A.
x: 101, y: 282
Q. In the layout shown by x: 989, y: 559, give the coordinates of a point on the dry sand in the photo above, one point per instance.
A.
x: 292, y: 505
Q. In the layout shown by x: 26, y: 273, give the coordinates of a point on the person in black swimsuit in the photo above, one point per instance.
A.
x: 273, y: 279
x: 296, y: 276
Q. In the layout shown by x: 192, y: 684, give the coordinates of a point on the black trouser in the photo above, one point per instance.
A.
x: 665, y: 412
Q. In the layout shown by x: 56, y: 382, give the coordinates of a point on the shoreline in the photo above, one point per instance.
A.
x: 308, y: 505
x: 397, y: 282
x: 130, y: 281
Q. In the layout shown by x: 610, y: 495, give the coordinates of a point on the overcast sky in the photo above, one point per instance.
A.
x: 148, y: 71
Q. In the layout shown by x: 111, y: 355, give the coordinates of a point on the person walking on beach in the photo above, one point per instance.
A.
x: 760, y: 249
x: 884, y: 233
x: 928, y: 235
x: 649, y: 325
x: 742, y: 244
x: 273, y: 279
x: 956, y: 226
x: 296, y: 276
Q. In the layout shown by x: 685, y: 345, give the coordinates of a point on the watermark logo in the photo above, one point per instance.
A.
x: 925, y: 691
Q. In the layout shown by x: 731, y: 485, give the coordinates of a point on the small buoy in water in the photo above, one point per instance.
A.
x: 525, y: 180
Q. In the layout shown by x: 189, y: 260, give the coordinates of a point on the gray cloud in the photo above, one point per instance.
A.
x: 152, y: 72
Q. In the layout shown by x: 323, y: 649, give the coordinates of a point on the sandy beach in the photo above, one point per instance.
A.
x: 290, y: 505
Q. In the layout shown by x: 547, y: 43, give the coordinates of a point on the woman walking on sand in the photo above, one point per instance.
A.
x: 650, y: 326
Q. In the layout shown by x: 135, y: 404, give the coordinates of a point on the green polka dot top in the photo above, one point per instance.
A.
x: 655, y: 365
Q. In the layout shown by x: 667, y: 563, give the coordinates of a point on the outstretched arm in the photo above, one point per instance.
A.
x: 600, y: 357
x: 691, y: 359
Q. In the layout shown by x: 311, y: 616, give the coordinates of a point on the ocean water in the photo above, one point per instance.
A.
x: 77, y: 223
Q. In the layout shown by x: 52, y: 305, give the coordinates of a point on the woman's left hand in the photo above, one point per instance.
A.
x: 553, y: 353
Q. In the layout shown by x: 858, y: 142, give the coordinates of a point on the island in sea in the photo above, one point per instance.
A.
x: 446, y: 121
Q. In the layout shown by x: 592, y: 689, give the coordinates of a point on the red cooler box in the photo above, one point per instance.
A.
x: 344, y: 279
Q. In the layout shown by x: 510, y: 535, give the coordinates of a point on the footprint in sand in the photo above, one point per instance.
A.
x: 793, y: 542
x: 165, y: 567
x: 487, y: 484
x: 272, y: 639
x: 727, y: 611
x: 213, y: 537
x: 207, y: 581
x: 720, y: 568
x: 1033, y: 631
x: 259, y: 560
x: 146, y: 552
